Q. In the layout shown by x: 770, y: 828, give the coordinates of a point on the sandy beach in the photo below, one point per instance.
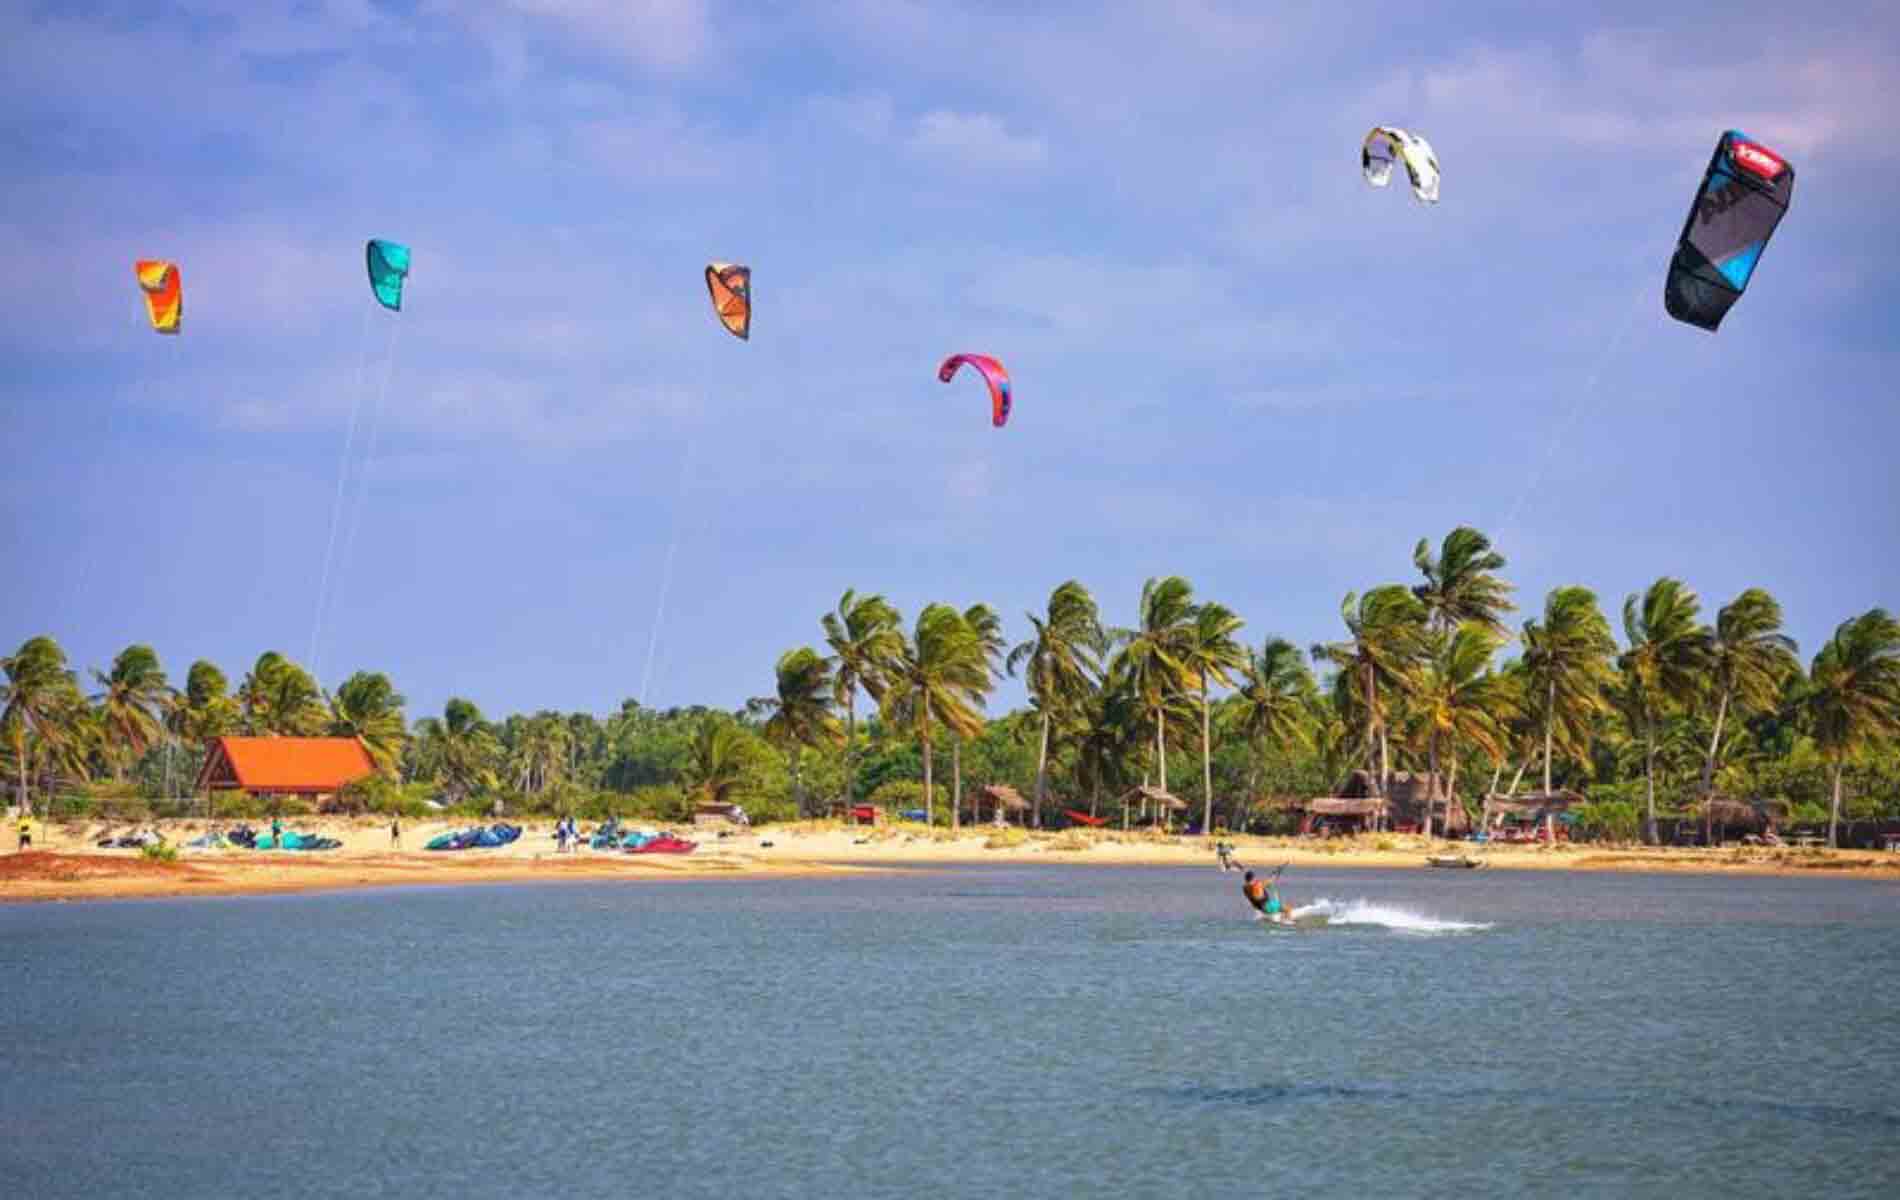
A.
x: 70, y: 867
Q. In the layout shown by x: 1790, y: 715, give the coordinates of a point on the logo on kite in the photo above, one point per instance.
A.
x: 164, y: 293
x: 1758, y: 159
x: 993, y: 374
x: 731, y: 287
x: 1741, y: 199
x: 1386, y: 145
x: 388, y: 267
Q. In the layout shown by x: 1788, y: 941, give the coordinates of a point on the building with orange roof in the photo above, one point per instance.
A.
x: 284, y: 766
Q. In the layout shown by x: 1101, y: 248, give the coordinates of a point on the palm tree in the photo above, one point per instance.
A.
x: 368, y: 707
x: 1750, y: 658
x: 460, y: 749
x: 717, y: 757
x: 1061, y: 666
x: 1150, y: 654
x: 1461, y: 702
x: 1667, y: 660
x: 280, y: 699
x: 42, y: 710
x: 1387, y: 629
x: 132, y: 705
x: 1459, y: 585
x: 204, y: 711
x: 1853, y: 696
x: 1210, y: 652
x: 1276, y: 699
x: 1567, y: 665
x: 801, y: 710
x: 988, y: 628
x: 940, y: 680
x: 866, y: 645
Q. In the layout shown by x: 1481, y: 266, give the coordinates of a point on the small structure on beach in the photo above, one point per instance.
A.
x: 1157, y: 804
x: 719, y: 812
x: 861, y: 813
x: 1724, y: 815
x: 284, y: 766
x: 1409, y: 796
x: 1347, y: 814
x: 1529, y: 808
x: 1003, y: 800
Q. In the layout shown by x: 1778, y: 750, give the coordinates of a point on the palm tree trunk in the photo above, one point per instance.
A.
x: 929, y: 794
x: 956, y: 783
x: 1451, y: 794
x: 1649, y: 780
x: 1161, y: 750
x: 1207, y: 764
x: 1708, y: 772
x: 1095, y: 795
x: 1550, y: 725
x: 1834, y: 808
x: 798, y: 792
x: 850, y: 753
x: 19, y: 759
x: 1431, y: 787
x: 1519, y: 777
x: 1042, y: 766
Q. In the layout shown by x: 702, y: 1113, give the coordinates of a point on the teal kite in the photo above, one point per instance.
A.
x: 388, y: 267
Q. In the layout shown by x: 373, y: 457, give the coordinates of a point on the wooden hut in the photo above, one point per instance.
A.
x: 1408, y: 797
x: 1721, y: 816
x: 1158, y: 803
x: 861, y: 813
x: 1003, y: 800
x: 284, y: 766
x: 1529, y: 808
x: 1350, y: 815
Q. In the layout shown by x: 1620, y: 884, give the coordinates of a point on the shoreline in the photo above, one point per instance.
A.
x: 70, y: 867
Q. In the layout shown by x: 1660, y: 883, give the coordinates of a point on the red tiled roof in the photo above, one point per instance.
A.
x: 285, y: 764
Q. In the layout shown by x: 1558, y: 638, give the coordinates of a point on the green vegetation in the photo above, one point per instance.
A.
x: 1425, y: 677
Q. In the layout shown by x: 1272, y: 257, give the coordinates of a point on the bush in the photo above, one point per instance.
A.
x: 159, y: 852
x: 1607, y: 821
x: 896, y: 795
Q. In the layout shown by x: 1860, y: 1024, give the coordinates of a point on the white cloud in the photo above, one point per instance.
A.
x: 660, y: 34
x: 975, y: 140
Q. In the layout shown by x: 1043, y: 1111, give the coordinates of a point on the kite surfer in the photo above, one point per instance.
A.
x: 1264, y: 895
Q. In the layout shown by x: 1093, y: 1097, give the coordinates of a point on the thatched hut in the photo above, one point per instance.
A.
x: 1003, y: 799
x: 1409, y: 795
x: 1342, y: 813
x: 1156, y: 803
x: 1529, y: 808
x: 1725, y: 815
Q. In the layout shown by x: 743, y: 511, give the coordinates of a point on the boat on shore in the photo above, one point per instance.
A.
x: 1453, y: 862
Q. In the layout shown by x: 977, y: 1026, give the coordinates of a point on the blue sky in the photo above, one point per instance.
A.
x: 1233, y: 360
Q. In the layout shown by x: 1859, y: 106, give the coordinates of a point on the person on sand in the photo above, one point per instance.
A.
x: 26, y: 831
x: 395, y: 830
x: 1225, y: 852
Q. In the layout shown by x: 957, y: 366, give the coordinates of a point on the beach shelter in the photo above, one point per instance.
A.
x: 283, y: 766
x: 1003, y: 799
x: 1158, y: 803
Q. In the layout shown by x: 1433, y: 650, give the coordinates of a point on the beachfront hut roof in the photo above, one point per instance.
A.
x: 1524, y: 804
x: 284, y: 765
x: 1004, y: 795
x: 1344, y: 806
x: 1753, y: 813
x: 1155, y: 795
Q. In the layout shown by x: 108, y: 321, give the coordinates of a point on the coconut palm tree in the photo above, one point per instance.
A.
x: 802, y: 710
x: 1386, y: 629
x: 1061, y: 666
x: 987, y: 626
x: 540, y: 752
x: 41, y: 709
x: 368, y: 707
x: 280, y: 699
x: 460, y: 750
x: 1566, y: 664
x: 1665, y: 666
x: 1460, y: 702
x: 1459, y: 582
x: 1275, y: 703
x: 1150, y: 654
x: 205, y: 710
x: 1749, y: 660
x: 866, y: 646
x: 1211, y: 653
x: 1853, y: 696
x: 939, y: 682
x: 717, y: 758
x: 131, y: 706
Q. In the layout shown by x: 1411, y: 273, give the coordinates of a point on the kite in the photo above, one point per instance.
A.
x: 731, y: 288
x: 164, y: 293
x: 1384, y: 145
x: 388, y: 267
x: 993, y: 374
x: 1744, y: 194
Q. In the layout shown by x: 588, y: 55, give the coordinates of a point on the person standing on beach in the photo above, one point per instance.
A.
x: 395, y: 830
x: 26, y: 830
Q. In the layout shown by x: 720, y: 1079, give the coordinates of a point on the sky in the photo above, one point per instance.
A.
x: 552, y: 481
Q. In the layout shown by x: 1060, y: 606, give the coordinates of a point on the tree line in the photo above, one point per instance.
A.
x: 1425, y: 676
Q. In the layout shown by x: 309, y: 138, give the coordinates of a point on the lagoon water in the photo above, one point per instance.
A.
x: 975, y: 1032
